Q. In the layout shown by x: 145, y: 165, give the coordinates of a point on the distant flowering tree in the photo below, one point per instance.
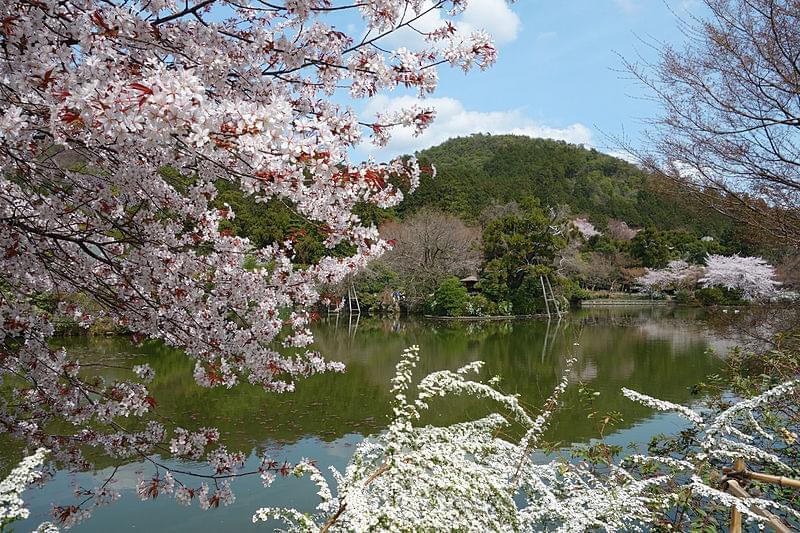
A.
x: 752, y: 276
x: 466, y: 477
x: 116, y: 121
x: 619, y: 229
x: 585, y: 228
x: 677, y: 275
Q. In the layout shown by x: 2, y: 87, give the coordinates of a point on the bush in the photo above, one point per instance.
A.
x: 372, y: 284
x: 450, y: 298
x: 493, y: 283
x: 684, y: 297
x: 527, y: 299
x: 573, y: 291
x: 478, y: 305
x: 504, y: 308
x: 710, y: 296
x: 719, y: 296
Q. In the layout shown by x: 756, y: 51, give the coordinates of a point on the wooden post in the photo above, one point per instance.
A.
x: 553, y: 296
x: 544, y: 293
x: 736, y: 515
x: 736, y: 521
x: 732, y: 486
x: 774, y: 522
x: 775, y: 480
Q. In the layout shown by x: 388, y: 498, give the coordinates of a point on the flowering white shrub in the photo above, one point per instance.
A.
x: 117, y: 119
x: 752, y: 276
x: 463, y: 476
x: 466, y: 477
x: 12, y: 507
x: 585, y: 228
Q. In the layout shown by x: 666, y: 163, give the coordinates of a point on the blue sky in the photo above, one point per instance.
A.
x: 556, y: 76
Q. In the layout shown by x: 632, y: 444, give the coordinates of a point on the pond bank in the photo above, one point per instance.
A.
x: 488, y: 318
x: 620, y: 301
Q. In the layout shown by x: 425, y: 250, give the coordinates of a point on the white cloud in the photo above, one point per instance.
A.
x: 546, y: 36
x: 622, y: 154
x: 494, y: 16
x: 453, y: 120
x: 628, y: 6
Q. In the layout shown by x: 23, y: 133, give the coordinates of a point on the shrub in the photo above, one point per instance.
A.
x: 527, y: 298
x: 504, y: 308
x: 479, y: 305
x: 450, y: 298
x: 573, y: 291
x: 684, y: 297
x: 493, y: 283
x: 710, y: 296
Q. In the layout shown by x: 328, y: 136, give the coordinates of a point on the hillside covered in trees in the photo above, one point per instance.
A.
x: 509, y: 209
x: 478, y: 170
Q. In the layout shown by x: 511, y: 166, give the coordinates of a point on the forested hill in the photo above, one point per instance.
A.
x: 476, y: 171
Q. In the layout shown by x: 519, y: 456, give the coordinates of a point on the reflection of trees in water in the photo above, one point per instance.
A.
x: 719, y: 329
x: 758, y: 327
x: 646, y: 351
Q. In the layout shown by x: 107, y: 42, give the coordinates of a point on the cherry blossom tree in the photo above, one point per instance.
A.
x: 752, y: 276
x: 116, y: 121
x: 585, y: 228
x: 677, y: 275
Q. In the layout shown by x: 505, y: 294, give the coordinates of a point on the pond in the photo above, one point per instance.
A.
x: 660, y: 351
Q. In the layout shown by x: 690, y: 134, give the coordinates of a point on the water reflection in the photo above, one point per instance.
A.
x: 658, y: 351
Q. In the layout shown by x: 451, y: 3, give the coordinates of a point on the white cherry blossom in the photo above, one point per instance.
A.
x: 117, y: 122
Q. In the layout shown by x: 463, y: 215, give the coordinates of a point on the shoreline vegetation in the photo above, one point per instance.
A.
x: 485, y: 237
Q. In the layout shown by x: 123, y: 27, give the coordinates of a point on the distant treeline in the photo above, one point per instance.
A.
x: 509, y: 209
x: 481, y: 169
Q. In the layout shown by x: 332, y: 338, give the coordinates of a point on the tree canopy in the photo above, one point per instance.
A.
x: 474, y: 170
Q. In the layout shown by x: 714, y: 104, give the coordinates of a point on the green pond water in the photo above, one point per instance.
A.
x: 656, y: 350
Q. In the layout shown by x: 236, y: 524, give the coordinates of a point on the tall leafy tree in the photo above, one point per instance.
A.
x: 518, y: 248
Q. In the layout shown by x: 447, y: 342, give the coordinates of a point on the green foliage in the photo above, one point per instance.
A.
x: 696, y: 251
x: 449, y: 299
x: 518, y: 249
x: 375, y: 285
x: 709, y: 296
x: 479, y: 305
x: 718, y: 296
x: 572, y: 290
x: 276, y: 221
x: 371, y: 214
x: 474, y: 170
x: 527, y: 298
x: 493, y: 282
x: 522, y: 239
x: 651, y: 248
x: 655, y: 248
x: 606, y: 245
x: 684, y: 297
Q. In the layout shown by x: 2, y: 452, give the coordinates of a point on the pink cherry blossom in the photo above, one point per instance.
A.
x: 116, y: 122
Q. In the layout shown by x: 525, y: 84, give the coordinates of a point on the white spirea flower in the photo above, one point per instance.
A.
x: 11, y: 504
x: 465, y: 477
